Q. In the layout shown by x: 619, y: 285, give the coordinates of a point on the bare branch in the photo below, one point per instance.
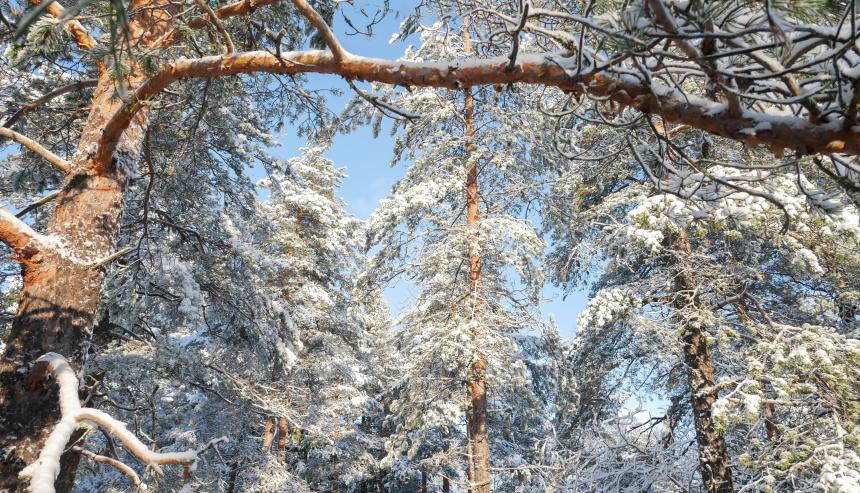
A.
x: 76, y: 86
x: 325, y: 31
x: 383, y: 106
x: 39, y: 203
x: 235, y: 9
x: 34, y: 146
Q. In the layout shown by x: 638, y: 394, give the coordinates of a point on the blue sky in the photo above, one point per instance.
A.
x: 370, y: 176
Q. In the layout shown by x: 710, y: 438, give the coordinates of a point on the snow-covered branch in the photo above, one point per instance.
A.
x: 752, y: 127
x: 45, y: 469
x: 19, y: 236
x: 34, y: 146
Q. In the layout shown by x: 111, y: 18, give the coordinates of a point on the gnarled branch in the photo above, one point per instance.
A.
x: 45, y: 469
x: 750, y: 127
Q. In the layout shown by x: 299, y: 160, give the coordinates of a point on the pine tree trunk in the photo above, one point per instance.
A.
x: 282, y: 439
x: 268, y: 433
x: 713, y: 456
x: 769, y: 420
x: 479, y: 446
x: 446, y: 485
x: 61, y: 289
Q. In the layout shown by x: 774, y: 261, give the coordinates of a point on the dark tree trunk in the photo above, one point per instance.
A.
x: 714, y: 460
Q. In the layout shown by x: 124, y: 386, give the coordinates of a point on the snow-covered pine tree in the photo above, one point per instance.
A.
x: 460, y: 228
x: 318, y: 246
x: 718, y: 296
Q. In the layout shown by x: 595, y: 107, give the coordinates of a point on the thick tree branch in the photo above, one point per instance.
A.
x: 76, y: 86
x: 20, y: 237
x: 34, y: 146
x: 752, y: 128
x: 325, y: 31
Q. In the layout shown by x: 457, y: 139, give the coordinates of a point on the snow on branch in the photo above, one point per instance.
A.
x: 58, y: 162
x: 674, y: 106
x: 43, y: 472
x: 20, y: 237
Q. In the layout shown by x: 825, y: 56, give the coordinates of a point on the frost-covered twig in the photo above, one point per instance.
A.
x: 43, y: 472
x: 123, y: 468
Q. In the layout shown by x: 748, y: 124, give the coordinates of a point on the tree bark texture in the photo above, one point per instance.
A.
x: 479, y: 446
x: 714, y: 463
x: 61, y: 285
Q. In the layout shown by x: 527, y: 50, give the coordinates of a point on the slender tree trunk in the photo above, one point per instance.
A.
x: 446, y: 485
x: 769, y: 421
x: 268, y: 433
x: 61, y: 289
x: 283, y: 428
x: 479, y: 449
x: 423, y: 481
x: 713, y: 456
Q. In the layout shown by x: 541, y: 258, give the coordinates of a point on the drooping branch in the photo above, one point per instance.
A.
x: 34, y: 146
x: 123, y: 468
x: 20, y: 237
x: 75, y: 86
x: 324, y: 30
x: 45, y: 469
x: 750, y: 127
